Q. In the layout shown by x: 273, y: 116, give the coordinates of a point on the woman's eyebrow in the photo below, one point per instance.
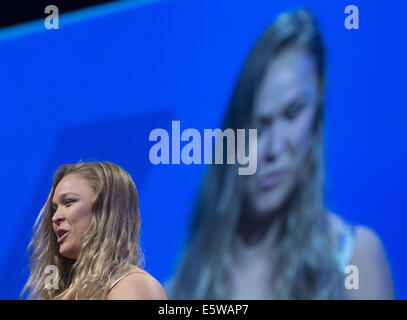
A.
x: 302, y: 96
x: 62, y: 196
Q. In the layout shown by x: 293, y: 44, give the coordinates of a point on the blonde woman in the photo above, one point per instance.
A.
x: 89, y: 230
x: 269, y: 235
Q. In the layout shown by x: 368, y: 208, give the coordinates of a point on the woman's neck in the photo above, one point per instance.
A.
x: 255, y: 236
x: 256, y: 229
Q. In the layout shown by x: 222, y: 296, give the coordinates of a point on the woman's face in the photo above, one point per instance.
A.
x: 284, y: 110
x: 72, y: 203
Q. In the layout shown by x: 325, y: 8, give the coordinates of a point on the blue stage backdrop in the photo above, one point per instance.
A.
x: 95, y: 88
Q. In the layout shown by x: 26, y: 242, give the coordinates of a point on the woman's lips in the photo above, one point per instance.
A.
x: 270, y: 180
x: 62, y: 238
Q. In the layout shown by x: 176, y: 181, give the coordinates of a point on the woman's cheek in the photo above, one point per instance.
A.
x: 261, y: 148
x: 300, y: 129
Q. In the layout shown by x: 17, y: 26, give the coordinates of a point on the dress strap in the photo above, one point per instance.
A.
x: 346, y: 246
x: 123, y: 276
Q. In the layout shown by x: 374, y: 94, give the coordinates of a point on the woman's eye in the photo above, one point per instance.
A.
x: 68, y: 202
x: 294, y: 111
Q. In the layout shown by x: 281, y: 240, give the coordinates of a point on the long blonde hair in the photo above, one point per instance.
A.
x: 109, y: 247
x: 305, y: 265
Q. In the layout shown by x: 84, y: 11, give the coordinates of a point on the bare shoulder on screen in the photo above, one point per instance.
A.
x: 139, y: 285
x: 375, y: 280
x: 369, y: 256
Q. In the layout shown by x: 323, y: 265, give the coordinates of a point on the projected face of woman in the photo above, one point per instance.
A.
x: 72, y: 203
x: 284, y: 110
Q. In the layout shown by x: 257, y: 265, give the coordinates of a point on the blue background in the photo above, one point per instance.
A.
x: 95, y: 88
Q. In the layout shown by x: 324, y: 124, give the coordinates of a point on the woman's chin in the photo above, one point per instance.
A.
x: 65, y: 252
x: 265, y: 203
x: 266, y: 208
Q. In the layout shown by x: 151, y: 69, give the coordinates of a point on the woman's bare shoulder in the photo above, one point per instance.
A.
x: 367, y: 243
x: 139, y: 285
x: 373, y: 278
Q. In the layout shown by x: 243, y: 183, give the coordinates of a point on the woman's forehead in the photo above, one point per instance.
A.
x: 73, y: 183
x: 290, y: 75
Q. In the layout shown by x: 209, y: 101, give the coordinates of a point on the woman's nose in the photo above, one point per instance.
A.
x: 276, y: 140
x: 58, y: 217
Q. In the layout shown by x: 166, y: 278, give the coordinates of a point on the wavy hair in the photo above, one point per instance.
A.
x: 109, y: 247
x: 305, y: 265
